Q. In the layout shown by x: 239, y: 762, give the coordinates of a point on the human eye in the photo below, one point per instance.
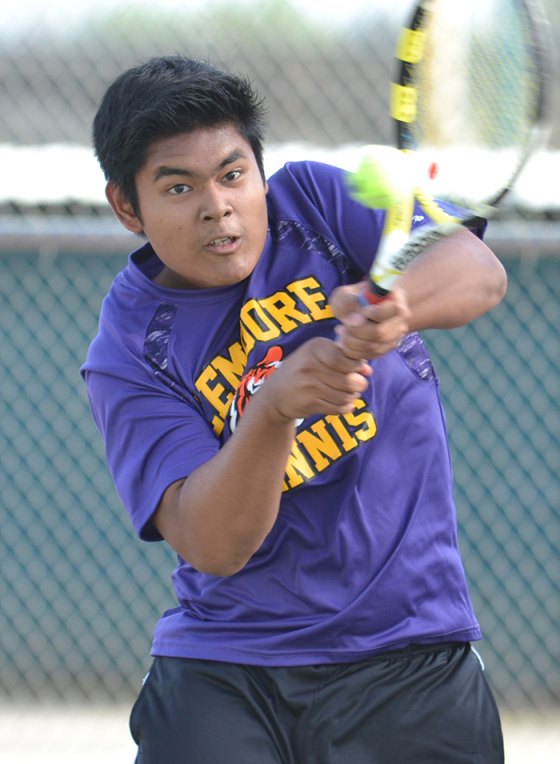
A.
x: 179, y: 188
x: 233, y: 175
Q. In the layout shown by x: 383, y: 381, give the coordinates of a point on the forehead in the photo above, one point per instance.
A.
x: 202, y: 150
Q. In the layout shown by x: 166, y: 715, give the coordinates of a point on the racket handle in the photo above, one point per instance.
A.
x: 373, y: 294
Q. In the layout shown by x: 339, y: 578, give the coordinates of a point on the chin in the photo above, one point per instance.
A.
x: 237, y: 272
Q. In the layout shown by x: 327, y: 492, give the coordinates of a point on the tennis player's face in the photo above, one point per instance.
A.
x: 202, y: 206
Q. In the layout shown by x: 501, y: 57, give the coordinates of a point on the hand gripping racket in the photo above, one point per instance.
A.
x: 470, y: 107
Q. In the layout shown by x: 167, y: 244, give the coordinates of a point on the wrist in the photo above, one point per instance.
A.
x: 268, y: 408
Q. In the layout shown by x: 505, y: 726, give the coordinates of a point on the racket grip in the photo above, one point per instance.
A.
x: 373, y: 294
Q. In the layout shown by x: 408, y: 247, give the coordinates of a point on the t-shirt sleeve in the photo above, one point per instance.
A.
x: 318, y: 193
x: 356, y: 228
x: 153, y: 437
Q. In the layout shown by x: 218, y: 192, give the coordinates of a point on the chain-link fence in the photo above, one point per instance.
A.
x: 80, y: 594
x: 323, y: 80
x: 324, y: 74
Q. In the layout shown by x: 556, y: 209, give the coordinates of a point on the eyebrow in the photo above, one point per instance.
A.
x: 164, y: 171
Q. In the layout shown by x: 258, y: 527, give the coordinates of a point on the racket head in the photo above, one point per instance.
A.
x: 470, y: 99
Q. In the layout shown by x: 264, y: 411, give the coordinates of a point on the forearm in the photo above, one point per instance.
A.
x: 220, y: 515
x: 455, y: 281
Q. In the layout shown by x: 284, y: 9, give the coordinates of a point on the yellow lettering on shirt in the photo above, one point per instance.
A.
x: 320, y: 445
x: 282, y: 308
x: 325, y: 440
x: 310, y: 293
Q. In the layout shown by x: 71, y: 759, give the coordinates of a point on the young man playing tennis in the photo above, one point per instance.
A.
x: 323, y: 615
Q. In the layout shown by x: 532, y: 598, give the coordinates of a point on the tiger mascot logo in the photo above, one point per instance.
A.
x: 252, y: 381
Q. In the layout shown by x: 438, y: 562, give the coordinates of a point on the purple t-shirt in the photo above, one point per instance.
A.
x: 363, y: 556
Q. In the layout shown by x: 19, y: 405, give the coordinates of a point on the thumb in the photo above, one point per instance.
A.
x: 346, y: 305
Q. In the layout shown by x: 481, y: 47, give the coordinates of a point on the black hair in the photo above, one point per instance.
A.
x: 163, y: 97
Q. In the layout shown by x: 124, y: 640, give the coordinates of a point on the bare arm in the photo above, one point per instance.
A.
x: 220, y: 515
x: 452, y: 283
x: 456, y: 281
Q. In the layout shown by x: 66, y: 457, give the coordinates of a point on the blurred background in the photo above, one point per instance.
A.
x: 79, y: 593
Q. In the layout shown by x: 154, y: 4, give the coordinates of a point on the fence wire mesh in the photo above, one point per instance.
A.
x: 324, y: 74
x: 315, y: 72
x: 80, y: 594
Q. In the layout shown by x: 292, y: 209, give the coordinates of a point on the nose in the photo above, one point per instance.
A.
x: 215, y: 204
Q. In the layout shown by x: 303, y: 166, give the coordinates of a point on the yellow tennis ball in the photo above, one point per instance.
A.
x: 383, y: 177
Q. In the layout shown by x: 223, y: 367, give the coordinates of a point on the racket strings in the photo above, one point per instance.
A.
x: 477, y: 97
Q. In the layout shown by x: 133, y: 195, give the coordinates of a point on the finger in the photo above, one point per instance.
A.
x: 341, y: 390
x: 336, y: 386
x: 378, y: 340
x: 346, y: 303
x: 394, y: 305
x: 336, y: 360
x: 373, y: 332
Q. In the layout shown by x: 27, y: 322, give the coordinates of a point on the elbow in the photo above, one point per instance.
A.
x: 209, y: 561
x: 223, y: 557
x: 496, y: 285
x: 213, y: 558
x: 222, y: 568
x: 201, y: 545
x: 489, y: 277
x: 222, y: 571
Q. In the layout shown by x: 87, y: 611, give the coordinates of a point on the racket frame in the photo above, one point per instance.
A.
x: 388, y: 265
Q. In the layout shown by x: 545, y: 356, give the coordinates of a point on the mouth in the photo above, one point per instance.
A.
x: 224, y: 244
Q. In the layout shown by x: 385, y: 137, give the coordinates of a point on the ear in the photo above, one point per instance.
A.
x: 123, y: 208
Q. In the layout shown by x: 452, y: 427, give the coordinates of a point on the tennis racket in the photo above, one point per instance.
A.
x: 470, y: 107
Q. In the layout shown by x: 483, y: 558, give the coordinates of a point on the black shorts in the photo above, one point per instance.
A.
x: 421, y: 705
